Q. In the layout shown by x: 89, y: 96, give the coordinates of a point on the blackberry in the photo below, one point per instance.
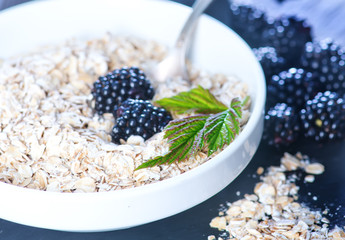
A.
x: 323, y: 117
x: 282, y: 125
x: 117, y: 86
x: 138, y: 117
x: 288, y: 36
x: 327, y: 59
x: 294, y: 87
x: 270, y: 62
x: 248, y: 22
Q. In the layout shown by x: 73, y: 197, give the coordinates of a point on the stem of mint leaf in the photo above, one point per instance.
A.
x: 245, y: 101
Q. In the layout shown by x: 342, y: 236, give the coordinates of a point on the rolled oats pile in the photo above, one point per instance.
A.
x: 50, y: 137
x: 273, y: 212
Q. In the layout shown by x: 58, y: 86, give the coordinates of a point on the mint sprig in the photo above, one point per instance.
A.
x: 211, y: 131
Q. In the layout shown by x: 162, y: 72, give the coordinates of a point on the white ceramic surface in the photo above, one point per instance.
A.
x: 217, y: 49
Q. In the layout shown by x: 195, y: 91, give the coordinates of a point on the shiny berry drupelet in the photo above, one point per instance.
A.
x: 117, y: 86
x: 270, y: 62
x: 294, y: 87
x: 282, y: 125
x: 326, y: 58
x: 323, y: 117
x: 138, y: 117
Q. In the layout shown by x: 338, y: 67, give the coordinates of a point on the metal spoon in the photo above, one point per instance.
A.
x: 175, y: 63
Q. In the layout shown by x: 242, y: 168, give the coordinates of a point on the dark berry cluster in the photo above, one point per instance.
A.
x: 117, y: 86
x: 138, y: 117
x: 323, y: 117
x: 293, y: 86
x: 327, y: 59
x: 270, y: 61
x: 248, y: 22
x: 287, y: 34
x: 125, y: 93
x: 281, y: 125
x: 305, y: 78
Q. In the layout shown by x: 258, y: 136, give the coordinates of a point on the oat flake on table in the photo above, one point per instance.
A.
x: 51, y: 139
x: 272, y: 212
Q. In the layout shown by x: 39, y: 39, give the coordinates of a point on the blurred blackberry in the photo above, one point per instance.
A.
x: 323, y: 117
x: 119, y: 85
x: 294, y: 87
x: 328, y: 60
x: 138, y: 117
x: 288, y: 36
x: 281, y: 126
x: 270, y: 62
x: 248, y: 22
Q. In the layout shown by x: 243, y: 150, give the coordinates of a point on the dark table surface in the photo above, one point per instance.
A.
x: 326, y: 192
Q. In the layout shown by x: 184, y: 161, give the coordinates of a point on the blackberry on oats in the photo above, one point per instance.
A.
x: 138, y: 117
x: 119, y: 85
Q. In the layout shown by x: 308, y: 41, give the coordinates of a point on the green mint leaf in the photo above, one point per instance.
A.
x: 184, y: 139
x: 222, y: 128
x: 198, y: 100
x: 188, y: 136
x: 179, y: 131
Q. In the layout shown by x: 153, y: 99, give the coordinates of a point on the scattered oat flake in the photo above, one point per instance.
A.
x: 315, y: 168
x: 309, y: 178
x: 273, y: 213
x: 218, y: 222
x: 290, y: 162
x: 260, y: 170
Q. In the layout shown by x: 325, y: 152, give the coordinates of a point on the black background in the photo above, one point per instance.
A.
x: 326, y: 192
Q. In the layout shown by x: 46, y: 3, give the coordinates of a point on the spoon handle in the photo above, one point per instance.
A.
x: 199, y: 7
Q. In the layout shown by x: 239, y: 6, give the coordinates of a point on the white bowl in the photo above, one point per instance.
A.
x: 217, y: 49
